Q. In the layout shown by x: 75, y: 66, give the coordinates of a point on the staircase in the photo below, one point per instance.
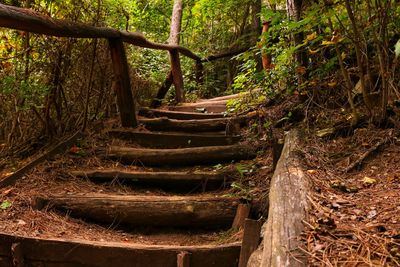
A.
x: 171, y: 159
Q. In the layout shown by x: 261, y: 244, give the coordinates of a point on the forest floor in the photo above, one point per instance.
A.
x: 354, y: 215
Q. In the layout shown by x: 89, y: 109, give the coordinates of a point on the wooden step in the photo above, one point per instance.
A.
x: 172, y: 140
x: 219, y: 98
x: 155, y: 113
x: 205, y: 125
x: 169, y: 211
x: 213, y: 108
x: 32, y: 251
x: 182, y: 156
x: 170, y: 180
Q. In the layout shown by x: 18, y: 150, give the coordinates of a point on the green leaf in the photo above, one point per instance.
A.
x: 397, y: 48
x: 5, y: 205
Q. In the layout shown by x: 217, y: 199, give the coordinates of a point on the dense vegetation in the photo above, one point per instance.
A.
x: 330, y: 53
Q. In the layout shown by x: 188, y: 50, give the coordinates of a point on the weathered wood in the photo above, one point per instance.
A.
x: 58, y: 149
x: 73, y: 253
x: 222, y: 98
x: 369, y: 152
x: 169, y: 180
x: 242, y: 212
x: 251, y: 240
x: 205, y: 125
x: 182, y: 156
x: 215, y: 108
x: 122, y: 83
x: 183, y: 259
x: 31, y: 21
x: 170, y: 211
x: 17, y: 255
x: 206, y: 102
x: 287, y: 211
x: 177, y: 76
x: 152, y: 113
x: 172, y: 140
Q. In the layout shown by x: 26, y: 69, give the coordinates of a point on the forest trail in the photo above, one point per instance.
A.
x: 174, y: 171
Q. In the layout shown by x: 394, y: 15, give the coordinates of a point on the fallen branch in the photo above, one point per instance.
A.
x: 59, y: 148
x: 368, y: 153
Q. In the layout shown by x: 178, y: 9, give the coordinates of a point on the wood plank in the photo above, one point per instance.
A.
x: 177, y: 115
x: 287, y: 211
x: 182, y: 156
x: 122, y: 83
x: 251, y: 239
x: 205, y: 125
x: 172, y: 140
x: 166, y: 180
x: 75, y: 253
x: 171, y: 211
x: 57, y: 149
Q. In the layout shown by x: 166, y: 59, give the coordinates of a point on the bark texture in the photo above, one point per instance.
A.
x: 287, y: 211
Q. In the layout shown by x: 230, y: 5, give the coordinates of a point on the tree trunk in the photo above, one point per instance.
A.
x: 175, y: 75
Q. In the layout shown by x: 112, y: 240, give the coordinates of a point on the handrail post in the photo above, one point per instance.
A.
x: 122, y: 84
x: 177, y: 75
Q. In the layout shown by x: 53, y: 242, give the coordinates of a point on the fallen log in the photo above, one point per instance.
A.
x: 172, y: 140
x: 206, y: 125
x: 151, y: 113
x: 57, y: 149
x: 71, y: 253
x: 170, y: 211
x: 287, y: 211
x: 206, y: 102
x: 182, y: 156
x: 170, y: 180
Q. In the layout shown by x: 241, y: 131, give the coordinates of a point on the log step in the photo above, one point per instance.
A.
x: 172, y: 140
x: 155, y: 113
x: 170, y: 180
x: 219, y: 98
x: 71, y: 253
x: 204, y: 125
x: 170, y: 211
x: 182, y: 156
x: 214, y: 108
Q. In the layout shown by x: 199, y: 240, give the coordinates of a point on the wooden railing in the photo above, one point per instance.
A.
x: 31, y: 21
x: 34, y: 22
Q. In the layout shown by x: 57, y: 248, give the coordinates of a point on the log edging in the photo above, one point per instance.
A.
x: 67, y: 253
x: 287, y: 211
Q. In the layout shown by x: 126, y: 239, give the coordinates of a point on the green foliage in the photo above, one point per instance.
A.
x: 5, y: 205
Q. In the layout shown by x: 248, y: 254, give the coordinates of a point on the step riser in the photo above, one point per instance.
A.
x: 210, y: 213
x: 176, y: 182
x: 213, y: 109
x: 59, y: 253
x: 181, y: 157
x: 159, y: 140
x: 151, y: 113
